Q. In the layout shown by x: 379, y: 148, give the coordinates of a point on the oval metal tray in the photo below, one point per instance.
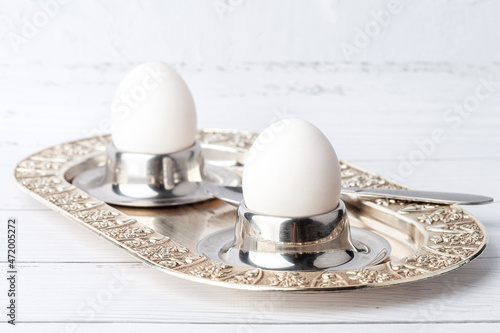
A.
x: 427, y: 240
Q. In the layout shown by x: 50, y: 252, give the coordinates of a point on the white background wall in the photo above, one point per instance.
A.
x: 229, y: 32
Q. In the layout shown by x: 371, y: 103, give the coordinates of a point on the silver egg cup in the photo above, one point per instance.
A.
x: 149, y: 180
x: 321, y: 242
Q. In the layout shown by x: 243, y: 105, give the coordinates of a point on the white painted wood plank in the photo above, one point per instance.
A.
x: 226, y: 32
x: 249, y: 328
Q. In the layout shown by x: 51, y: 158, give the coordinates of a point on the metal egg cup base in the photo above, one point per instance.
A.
x: 218, y: 247
x: 91, y: 181
x: 146, y: 180
x: 316, y: 243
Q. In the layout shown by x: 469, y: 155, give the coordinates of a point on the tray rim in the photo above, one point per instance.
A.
x: 191, y: 266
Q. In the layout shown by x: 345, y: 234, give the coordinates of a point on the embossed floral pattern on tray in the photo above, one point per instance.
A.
x: 454, y: 236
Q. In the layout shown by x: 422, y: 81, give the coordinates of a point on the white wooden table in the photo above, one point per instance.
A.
x: 70, y: 280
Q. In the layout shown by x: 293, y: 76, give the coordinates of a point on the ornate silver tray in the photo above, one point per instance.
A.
x: 427, y: 239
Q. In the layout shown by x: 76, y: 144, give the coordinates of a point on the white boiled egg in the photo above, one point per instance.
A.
x: 291, y: 171
x: 153, y: 111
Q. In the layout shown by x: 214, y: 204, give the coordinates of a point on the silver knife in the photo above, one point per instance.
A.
x: 233, y: 195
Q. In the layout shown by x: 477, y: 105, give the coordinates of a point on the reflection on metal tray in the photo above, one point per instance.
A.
x: 426, y: 239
